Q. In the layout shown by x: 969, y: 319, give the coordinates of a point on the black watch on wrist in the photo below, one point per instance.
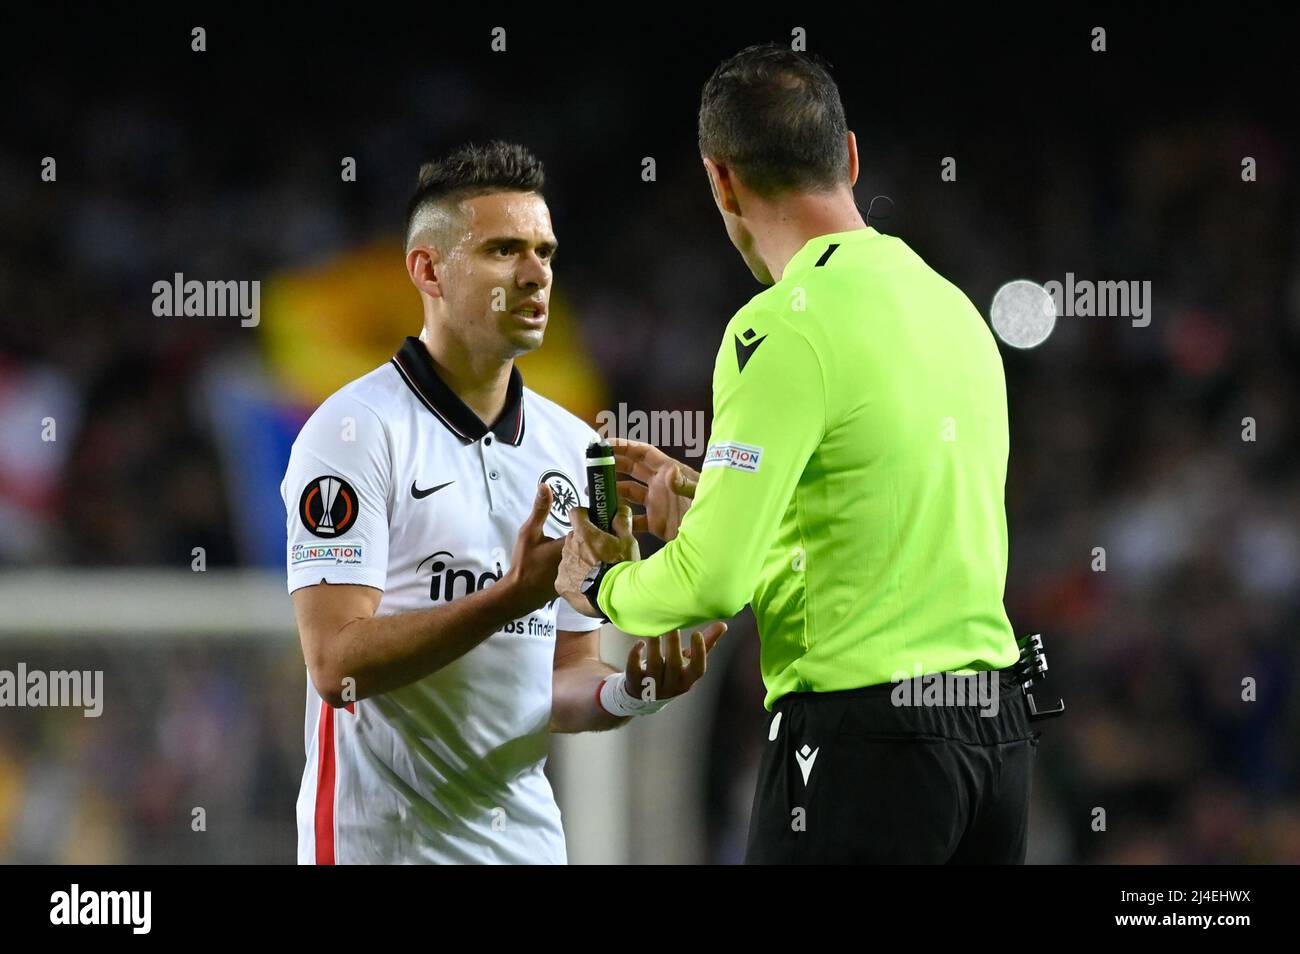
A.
x: 592, y: 590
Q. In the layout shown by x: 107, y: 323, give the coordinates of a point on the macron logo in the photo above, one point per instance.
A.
x: 746, y: 346
x: 103, y: 907
x: 806, y: 757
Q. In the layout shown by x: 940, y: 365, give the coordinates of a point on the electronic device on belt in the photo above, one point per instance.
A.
x: 1031, y: 669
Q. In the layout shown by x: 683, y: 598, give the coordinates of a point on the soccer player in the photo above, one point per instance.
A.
x: 422, y: 564
x: 851, y: 493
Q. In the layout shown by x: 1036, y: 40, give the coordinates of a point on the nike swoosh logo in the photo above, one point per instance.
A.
x: 806, y: 761
x: 421, y: 494
x: 746, y: 351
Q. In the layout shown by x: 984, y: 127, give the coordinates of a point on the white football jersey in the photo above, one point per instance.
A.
x: 395, y: 483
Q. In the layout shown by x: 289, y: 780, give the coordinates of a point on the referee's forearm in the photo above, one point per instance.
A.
x: 381, y: 653
x: 676, y: 588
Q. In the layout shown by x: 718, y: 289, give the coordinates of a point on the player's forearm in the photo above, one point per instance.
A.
x: 574, y: 703
x: 373, y: 655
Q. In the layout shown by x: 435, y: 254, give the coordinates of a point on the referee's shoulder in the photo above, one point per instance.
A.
x: 778, y: 308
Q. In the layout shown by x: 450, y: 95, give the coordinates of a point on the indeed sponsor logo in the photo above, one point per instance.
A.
x: 448, y: 582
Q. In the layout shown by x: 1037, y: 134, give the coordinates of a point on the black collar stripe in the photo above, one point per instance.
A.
x: 830, y: 250
x: 426, y: 402
x: 417, y: 370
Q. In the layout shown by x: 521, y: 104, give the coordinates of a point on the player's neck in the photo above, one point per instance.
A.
x: 796, y: 220
x: 481, y: 382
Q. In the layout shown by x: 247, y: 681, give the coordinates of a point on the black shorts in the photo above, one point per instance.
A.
x: 894, y: 784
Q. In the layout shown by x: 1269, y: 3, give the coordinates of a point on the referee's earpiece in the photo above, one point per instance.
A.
x: 883, y: 216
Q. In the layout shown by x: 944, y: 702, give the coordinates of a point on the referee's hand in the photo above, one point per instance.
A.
x: 586, y: 548
x: 536, y: 557
x: 662, y: 485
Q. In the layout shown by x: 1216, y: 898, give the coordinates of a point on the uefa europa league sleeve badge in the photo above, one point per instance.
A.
x: 329, y: 506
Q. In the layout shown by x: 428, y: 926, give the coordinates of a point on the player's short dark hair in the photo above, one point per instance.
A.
x: 473, y: 170
x: 775, y: 117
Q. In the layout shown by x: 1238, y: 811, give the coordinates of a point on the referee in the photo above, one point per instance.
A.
x: 852, y: 494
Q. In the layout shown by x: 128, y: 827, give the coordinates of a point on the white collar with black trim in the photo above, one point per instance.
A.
x: 415, y: 365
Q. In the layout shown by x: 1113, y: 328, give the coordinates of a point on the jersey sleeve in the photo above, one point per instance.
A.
x: 336, y: 493
x: 769, y: 413
x: 568, y: 619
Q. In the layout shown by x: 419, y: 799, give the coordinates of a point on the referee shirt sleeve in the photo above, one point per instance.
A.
x: 768, y: 418
x: 344, y: 440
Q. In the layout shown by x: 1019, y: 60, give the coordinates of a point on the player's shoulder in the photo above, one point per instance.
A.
x: 542, y: 410
x: 364, y: 400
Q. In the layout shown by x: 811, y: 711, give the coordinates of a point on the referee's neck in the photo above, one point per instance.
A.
x: 785, y: 226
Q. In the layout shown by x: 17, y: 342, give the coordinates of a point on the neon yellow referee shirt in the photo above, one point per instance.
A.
x: 852, y: 490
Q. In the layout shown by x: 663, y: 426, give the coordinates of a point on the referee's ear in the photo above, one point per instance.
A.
x: 421, y: 262
x: 721, y: 184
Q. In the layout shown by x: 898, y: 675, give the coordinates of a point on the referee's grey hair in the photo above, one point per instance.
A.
x: 471, y: 170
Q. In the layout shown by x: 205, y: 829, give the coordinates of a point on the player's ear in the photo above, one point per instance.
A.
x: 853, y: 159
x: 420, y: 266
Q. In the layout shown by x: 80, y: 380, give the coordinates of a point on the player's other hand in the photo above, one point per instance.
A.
x: 586, y: 548
x: 663, y: 486
x: 536, y: 557
x: 661, y: 668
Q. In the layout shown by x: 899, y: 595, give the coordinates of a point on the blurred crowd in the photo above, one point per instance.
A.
x: 1153, y: 496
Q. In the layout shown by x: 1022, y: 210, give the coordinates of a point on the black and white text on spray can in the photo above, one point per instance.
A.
x: 602, y: 485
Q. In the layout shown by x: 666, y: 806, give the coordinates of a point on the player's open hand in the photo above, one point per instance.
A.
x: 662, y: 485
x: 586, y: 548
x: 660, y: 668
